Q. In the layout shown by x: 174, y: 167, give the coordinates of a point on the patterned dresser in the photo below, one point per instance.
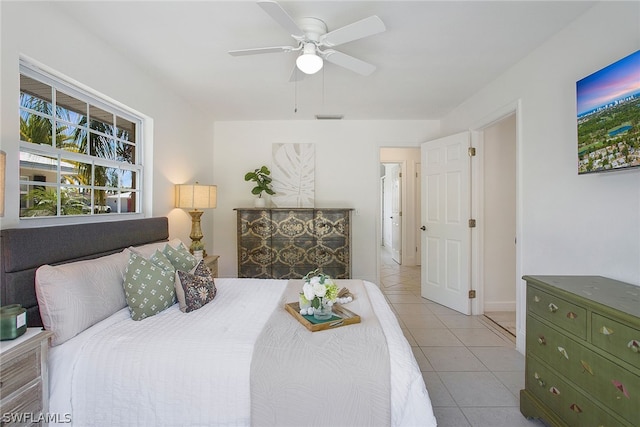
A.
x: 582, y: 351
x: 287, y: 243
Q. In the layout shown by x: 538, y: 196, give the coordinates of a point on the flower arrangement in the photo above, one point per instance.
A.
x: 319, y: 291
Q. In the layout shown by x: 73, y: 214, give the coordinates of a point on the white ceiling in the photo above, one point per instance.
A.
x: 433, y: 56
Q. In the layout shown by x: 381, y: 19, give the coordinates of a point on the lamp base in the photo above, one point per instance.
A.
x: 196, y: 233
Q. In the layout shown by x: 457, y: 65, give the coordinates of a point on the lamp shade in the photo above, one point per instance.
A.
x: 196, y: 196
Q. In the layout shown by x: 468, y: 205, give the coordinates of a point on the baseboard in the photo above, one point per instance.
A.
x: 500, y: 306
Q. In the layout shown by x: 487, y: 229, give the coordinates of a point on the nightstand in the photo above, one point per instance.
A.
x: 212, y: 262
x: 24, y: 383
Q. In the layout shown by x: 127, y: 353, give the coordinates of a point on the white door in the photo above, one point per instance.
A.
x: 396, y: 214
x: 446, y: 208
x: 418, y: 206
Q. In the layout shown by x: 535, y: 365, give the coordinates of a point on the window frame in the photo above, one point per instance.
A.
x: 117, y: 111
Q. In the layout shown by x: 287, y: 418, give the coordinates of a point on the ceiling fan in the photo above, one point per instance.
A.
x: 315, y: 44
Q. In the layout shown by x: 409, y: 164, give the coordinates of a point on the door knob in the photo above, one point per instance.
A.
x: 423, y: 228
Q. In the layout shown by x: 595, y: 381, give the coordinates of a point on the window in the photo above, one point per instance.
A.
x: 79, y: 155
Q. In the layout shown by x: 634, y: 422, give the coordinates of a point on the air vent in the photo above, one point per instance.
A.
x: 329, y: 116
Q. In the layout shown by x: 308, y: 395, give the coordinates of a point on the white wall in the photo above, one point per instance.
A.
x: 347, y: 174
x: 569, y: 224
x: 74, y: 52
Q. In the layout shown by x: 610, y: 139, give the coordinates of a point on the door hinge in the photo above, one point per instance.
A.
x: 472, y: 151
x: 472, y: 294
x: 400, y: 175
x: 472, y: 223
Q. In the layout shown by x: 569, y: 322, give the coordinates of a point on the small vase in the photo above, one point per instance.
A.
x: 323, y: 312
x: 260, y: 202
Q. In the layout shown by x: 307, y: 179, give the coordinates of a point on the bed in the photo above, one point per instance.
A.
x: 240, y: 359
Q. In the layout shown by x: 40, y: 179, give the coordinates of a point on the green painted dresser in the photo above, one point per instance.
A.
x: 582, y: 351
x: 287, y: 243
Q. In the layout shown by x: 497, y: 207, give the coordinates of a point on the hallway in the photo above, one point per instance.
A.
x: 470, y: 366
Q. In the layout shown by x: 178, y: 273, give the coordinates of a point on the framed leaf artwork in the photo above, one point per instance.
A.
x: 293, y: 173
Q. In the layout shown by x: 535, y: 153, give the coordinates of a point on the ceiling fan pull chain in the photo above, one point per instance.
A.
x: 295, y: 96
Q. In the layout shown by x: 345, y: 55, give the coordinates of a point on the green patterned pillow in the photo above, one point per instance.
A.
x: 159, y: 259
x: 148, y: 288
x: 162, y: 261
x: 180, y: 257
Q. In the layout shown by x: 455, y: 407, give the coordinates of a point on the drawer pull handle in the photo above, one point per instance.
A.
x: 575, y: 408
x: 536, y: 298
x: 606, y: 331
x: 617, y: 384
x: 554, y: 391
x: 541, y: 382
x: 563, y: 352
x: 634, y: 345
x: 542, y: 340
x: 571, y: 315
x: 586, y: 367
x: 553, y: 308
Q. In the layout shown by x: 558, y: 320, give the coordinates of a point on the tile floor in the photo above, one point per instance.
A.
x: 470, y: 366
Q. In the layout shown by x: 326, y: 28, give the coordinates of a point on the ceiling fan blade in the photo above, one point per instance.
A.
x: 259, y: 50
x: 281, y: 17
x: 349, y: 62
x: 360, y: 29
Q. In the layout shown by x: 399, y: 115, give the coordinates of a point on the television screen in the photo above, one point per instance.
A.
x: 609, y: 117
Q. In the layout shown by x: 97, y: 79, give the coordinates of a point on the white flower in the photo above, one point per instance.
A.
x: 307, y: 289
x: 315, y: 280
x: 319, y: 290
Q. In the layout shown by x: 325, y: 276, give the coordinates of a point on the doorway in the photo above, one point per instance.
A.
x: 398, y: 199
x: 498, y: 269
x: 391, y: 190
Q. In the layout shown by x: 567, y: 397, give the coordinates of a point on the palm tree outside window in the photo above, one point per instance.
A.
x: 78, y: 154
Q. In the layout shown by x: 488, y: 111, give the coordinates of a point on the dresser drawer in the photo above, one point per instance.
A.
x: 608, y: 383
x: 292, y: 225
x: 29, y: 402
x: 620, y: 340
x: 256, y: 224
x: 566, y: 402
x: 19, y: 372
x: 563, y: 314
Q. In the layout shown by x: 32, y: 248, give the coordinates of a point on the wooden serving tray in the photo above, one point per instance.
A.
x: 347, y: 317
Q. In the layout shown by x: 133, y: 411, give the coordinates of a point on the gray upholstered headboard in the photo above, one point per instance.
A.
x: 23, y: 250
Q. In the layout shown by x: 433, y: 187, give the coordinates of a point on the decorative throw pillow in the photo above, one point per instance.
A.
x: 162, y: 261
x: 148, y: 249
x: 180, y: 257
x: 148, y: 288
x: 77, y: 295
x: 195, y: 288
x: 159, y: 259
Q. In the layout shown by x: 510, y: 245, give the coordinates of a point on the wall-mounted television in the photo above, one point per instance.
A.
x: 609, y: 117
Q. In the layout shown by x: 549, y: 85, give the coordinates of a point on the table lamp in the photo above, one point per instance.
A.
x: 195, y: 197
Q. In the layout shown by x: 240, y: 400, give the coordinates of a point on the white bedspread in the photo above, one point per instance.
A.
x: 104, y: 376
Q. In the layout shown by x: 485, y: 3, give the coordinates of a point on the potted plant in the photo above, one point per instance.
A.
x: 263, y: 184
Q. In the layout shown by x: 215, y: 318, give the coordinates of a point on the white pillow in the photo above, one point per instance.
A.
x: 75, y: 296
x: 150, y: 248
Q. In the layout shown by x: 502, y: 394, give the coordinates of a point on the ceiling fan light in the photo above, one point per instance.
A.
x: 309, y: 62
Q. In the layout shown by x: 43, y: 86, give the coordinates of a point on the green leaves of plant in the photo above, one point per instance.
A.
x: 262, y: 179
